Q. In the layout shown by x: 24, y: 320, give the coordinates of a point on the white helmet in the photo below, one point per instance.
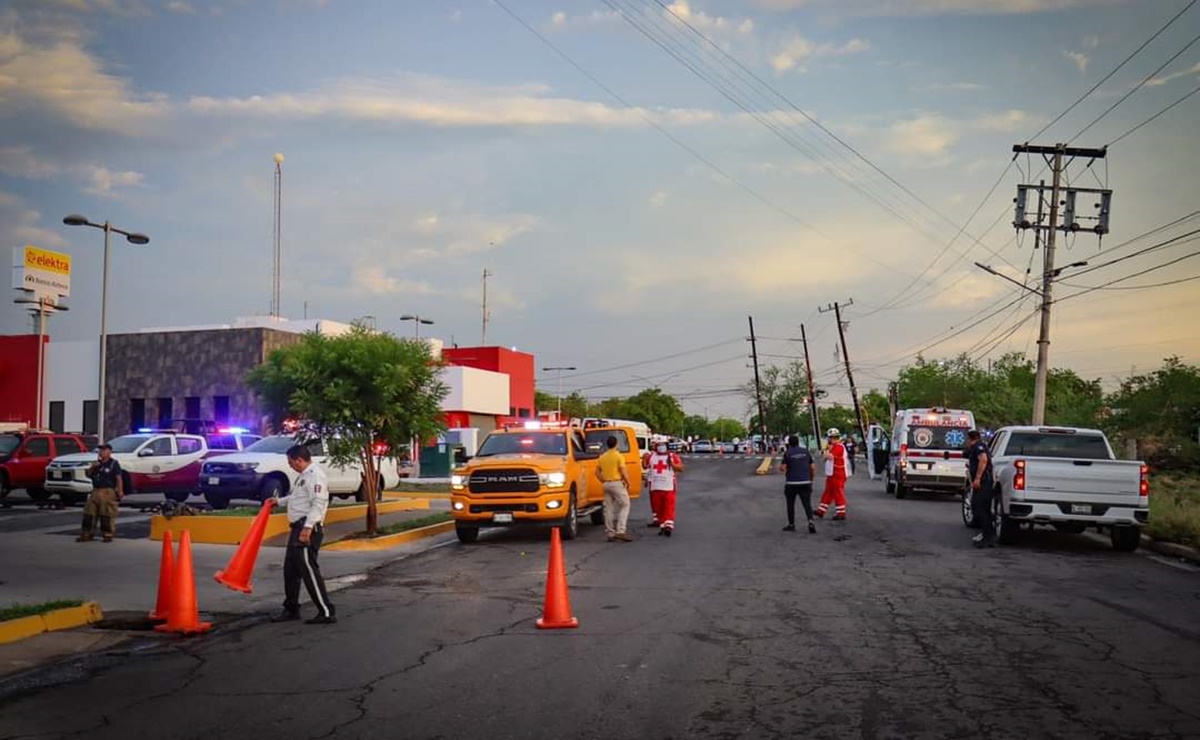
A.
x: 833, y: 432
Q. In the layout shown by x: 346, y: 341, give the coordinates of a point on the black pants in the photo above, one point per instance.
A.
x: 982, y: 502
x: 300, y: 564
x: 804, y: 491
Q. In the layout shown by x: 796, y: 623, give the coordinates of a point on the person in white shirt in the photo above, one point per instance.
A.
x: 306, y: 502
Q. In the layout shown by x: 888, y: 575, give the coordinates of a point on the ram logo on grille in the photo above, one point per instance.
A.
x: 501, y: 481
x: 506, y: 478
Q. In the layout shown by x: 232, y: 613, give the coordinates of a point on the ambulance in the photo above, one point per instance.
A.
x: 928, y: 451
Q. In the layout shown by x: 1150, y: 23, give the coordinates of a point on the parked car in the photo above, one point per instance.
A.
x: 1067, y: 478
x: 24, y: 455
x: 703, y: 446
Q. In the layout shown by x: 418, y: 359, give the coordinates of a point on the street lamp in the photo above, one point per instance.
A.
x: 132, y: 237
x: 417, y: 321
x: 560, y: 372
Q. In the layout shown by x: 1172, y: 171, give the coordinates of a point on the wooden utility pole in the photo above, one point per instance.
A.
x: 837, y: 312
x: 812, y: 392
x: 762, y: 419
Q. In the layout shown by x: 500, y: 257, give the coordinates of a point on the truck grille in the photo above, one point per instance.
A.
x: 506, y: 480
x: 217, y: 467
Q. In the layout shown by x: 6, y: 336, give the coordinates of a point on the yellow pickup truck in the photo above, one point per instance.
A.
x: 537, y: 474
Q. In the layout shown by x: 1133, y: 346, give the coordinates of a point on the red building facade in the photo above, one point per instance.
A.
x: 518, y: 366
x: 19, y: 378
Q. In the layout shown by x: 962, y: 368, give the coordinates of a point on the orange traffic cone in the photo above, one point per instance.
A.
x: 166, y: 571
x: 184, y: 615
x: 241, y: 566
x: 556, y: 612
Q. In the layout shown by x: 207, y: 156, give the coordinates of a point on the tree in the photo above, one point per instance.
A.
x: 656, y: 408
x: 876, y: 409
x: 354, y: 391
x: 726, y: 429
x: 1161, y: 411
x: 784, y: 394
x: 696, y: 426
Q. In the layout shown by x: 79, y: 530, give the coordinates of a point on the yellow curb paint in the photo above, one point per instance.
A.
x: 53, y: 621
x: 391, y: 540
x: 423, y: 494
x: 765, y: 466
x: 229, y: 530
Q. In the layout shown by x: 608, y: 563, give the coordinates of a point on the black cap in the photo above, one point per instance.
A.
x: 104, y: 446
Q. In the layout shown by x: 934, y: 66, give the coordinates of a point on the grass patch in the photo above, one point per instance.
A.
x: 16, y: 611
x: 426, y: 487
x: 405, y: 526
x: 1175, y: 508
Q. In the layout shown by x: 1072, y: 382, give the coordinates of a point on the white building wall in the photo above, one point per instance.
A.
x: 72, y: 376
x: 475, y: 391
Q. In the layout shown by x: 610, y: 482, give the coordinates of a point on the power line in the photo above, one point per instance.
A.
x: 1154, y: 117
x: 652, y: 360
x: 1182, y: 238
x: 1116, y: 69
x: 1139, y: 86
x: 1103, y: 286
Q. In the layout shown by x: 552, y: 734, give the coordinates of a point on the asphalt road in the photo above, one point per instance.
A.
x: 886, y: 626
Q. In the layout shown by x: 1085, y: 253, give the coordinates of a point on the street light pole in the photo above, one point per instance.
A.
x: 132, y: 237
x: 560, y: 372
x: 417, y: 321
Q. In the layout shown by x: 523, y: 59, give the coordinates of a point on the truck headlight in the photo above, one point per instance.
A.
x: 458, y: 506
x: 553, y: 479
x: 457, y: 481
x: 553, y: 504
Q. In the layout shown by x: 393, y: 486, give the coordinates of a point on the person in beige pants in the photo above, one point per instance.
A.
x: 610, y: 469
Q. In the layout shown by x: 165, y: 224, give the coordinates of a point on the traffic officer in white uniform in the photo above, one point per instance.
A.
x: 306, y: 506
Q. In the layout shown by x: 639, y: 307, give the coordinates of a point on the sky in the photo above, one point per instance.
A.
x: 638, y: 177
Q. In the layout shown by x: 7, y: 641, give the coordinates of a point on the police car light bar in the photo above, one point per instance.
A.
x: 233, y: 430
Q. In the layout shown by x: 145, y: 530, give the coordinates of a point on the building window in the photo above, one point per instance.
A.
x: 58, y: 416
x: 191, y: 406
x: 165, y: 412
x: 137, y: 414
x: 221, y: 409
x: 523, y: 413
x: 91, y: 417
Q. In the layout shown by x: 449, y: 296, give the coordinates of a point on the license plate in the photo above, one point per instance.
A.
x: 1081, y: 508
x: 923, y: 466
x: 502, y: 517
x: 213, y: 481
x: 58, y: 474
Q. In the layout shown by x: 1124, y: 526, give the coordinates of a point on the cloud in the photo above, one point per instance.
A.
x: 19, y: 224
x: 1189, y: 72
x: 456, y: 15
x: 107, y: 183
x: 924, y: 135
x: 1081, y: 60
x: 374, y: 280
x: 561, y: 21
x: 19, y: 161
x: 1006, y: 121
x: 951, y: 87
x: 658, y: 199
x: 797, y: 50
x: 935, y: 7
x: 179, y: 6
x: 709, y: 25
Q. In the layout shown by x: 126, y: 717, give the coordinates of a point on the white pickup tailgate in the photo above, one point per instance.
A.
x: 1099, y: 481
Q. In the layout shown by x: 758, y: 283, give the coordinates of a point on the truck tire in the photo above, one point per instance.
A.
x: 889, y: 485
x: 70, y: 498
x: 272, y: 487
x: 217, y: 500
x: 901, y: 490
x: 1125, y: 539
x: 4, y: 488
x: 1008, y: 531
x: 360, y: 495
x: 466, y: 534
x: 38, y: 494
x: 968, y: 512
x: 570, y: 524
x: 178, y: 497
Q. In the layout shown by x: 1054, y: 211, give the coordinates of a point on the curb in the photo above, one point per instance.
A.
x: 765, y: 466
x: 229, y: 530
x: 390, y: 540
x: 13, y: 630
x: 1183, y: 552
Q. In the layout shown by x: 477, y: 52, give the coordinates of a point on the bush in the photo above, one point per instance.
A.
x: 1175, y: 509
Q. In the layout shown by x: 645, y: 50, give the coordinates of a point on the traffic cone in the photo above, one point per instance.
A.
x: 241, y: 566
x: 184, y: 615
x: 166, y: 571
x: 556, y: 612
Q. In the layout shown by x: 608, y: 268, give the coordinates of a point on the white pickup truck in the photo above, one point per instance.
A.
x: 1067, y: 478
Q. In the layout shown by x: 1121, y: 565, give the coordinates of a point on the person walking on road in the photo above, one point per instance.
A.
x: 610, y: 469
x: 307, y: 503
x: 983, y: 488
x: 797, y: 464
x: 661, y: 466
x: 104, y: 502
x: 851, y: 451
x: 836, y: 467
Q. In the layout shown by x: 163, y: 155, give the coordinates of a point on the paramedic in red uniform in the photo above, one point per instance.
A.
x: 837, y: 463
x: 661, y: 466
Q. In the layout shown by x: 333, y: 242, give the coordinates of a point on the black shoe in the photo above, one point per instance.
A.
x: 322, y: 619
x: 286, y: 616
x: 983, y: 542
x: 652, y: 524
x: 790, y: 528
x: 668, y: 531
x: 662, y: 532
x: 812, y: 528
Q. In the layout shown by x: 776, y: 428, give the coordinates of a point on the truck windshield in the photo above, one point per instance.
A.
x: 597, y: 440
x: 8, y: 443
x: 529, y: 443
x: 129, y: 442
x: 1041, y: 444
x: 937, y: 438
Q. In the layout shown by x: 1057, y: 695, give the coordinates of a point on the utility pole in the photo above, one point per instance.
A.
x: 483, y: 338
x: 276, y: 239
x: 837, y: 312
x: 762, y: 419
x: 1054, y: 157
x: 812, y: 392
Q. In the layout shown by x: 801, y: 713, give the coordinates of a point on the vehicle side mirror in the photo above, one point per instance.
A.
x: 145, y: 452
